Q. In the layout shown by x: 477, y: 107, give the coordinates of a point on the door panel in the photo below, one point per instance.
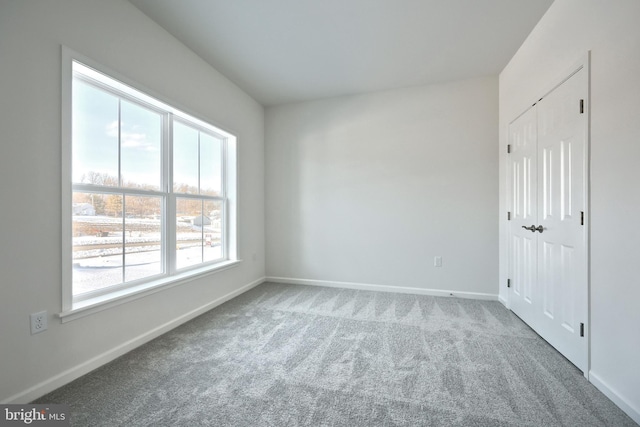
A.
x: 548, y: 280
x: 548, y: 186
x: 566, y: 159
x: 561, y: 146
x: 569, y: 287
x: 523, y: 137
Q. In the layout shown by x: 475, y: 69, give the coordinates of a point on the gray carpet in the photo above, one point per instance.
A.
x: 286, y: 355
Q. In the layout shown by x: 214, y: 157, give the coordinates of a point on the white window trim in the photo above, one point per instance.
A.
x: 75, y: 309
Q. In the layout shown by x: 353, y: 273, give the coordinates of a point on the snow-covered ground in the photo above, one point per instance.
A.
x: 99, y: 272
x: 98, y: 259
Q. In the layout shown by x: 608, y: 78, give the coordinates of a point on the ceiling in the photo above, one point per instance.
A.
x: 282, y: 51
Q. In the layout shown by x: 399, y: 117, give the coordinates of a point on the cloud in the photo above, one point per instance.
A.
x: 130, y: 139
x: 112, y: 129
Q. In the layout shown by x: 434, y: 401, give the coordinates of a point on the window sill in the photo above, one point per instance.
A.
x: 84, y: 308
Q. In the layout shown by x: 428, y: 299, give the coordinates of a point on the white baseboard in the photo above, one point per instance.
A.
x: 71, y: 374
x: 384, y: 288
x: 615, y: 397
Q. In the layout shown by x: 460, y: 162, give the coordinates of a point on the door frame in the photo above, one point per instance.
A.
x: 583, y: 63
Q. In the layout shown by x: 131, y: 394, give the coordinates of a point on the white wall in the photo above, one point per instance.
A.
x: 610, y: 30
x: 120, y: 37
x: 367, y: 189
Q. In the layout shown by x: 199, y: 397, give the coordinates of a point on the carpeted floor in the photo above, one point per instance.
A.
x: 287, y: 355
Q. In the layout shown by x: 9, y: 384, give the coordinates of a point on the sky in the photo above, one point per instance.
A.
x: 95, y: 143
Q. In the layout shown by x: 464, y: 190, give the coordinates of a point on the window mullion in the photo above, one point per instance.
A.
x: 223, y: 166
x: 124, y: 236
x: 200, y: 193
x: 169, y: 217
x: 202, y: 230
x: 120, y: 183
x: 90, y: 188
x: 199, y: 162
x: 224, y: 213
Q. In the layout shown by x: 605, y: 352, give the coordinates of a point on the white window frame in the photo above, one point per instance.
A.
x: 84, y: 304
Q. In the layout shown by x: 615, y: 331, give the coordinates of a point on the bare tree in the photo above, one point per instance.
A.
x: 99, y: 178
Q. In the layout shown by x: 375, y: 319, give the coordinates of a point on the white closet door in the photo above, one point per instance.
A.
x: 562, y: 276
x: 523, y: 244
x: 547, y: 169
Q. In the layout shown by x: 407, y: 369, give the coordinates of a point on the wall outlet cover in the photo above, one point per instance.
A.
x: 38, y: 322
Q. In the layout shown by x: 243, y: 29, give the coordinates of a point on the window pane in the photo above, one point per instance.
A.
x: 185, y: 159
x: 140, y: 138
x: 97, y: 241
x: 210, y: 165
x: 212, y: 231
x: 143, y: 237
x: 120, y: 147
x: 95, y: 135
x: 189, y: 240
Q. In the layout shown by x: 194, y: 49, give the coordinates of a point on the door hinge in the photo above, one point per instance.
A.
x: 508, y: 148
x: 508, y: 283
x: 581, y: 217
x: 508, y: 216
x: 581, y: 329
x: 582, y: 106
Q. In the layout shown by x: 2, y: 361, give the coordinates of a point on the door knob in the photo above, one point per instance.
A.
x: 533, y: 228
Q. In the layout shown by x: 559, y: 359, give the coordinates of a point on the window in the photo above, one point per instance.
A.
x: 149, y: 191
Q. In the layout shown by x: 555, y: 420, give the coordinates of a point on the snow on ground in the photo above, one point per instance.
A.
x: 98, y: 258
x: 100, y: 272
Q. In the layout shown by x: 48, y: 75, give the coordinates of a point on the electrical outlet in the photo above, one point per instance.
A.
x: 437, y: 261
x: 38, y: 322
